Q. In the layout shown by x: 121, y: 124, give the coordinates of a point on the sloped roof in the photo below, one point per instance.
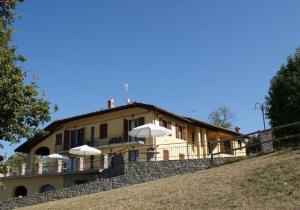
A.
x: 26, y: 146
x: 211, y: 127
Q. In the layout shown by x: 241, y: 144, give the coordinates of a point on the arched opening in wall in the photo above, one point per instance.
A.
x: 47, y: 188
x: 20, y: 191
x: 43, y: 151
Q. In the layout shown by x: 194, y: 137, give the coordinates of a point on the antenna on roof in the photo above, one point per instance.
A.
x: 128, y: 100
x: 126, y: 93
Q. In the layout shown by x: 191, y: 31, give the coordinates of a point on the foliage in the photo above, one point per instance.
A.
x: 22, y: 107
x: 282, y: 102
x: 16, y: 159
x: 222, y: 117
x: 253, y: 149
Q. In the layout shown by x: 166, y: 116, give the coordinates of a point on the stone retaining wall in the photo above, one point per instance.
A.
x: 125, y: 175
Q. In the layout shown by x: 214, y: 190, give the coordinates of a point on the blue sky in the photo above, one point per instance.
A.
x: 189, y: 57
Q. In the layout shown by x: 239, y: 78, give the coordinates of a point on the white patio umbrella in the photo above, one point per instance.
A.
x: 54, y: 156
x: 149, y: 130
x: 84, y: 150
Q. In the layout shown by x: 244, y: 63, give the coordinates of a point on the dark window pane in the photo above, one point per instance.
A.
x: 133, y: 155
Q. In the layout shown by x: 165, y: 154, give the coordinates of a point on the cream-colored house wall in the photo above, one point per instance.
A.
x: 174, y: 145
x: 114, y: 121
x: 33, y: 184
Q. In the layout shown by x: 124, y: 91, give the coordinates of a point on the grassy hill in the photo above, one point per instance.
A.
x: 265, y: 182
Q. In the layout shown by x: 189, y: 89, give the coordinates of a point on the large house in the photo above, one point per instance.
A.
x: 107, y: 130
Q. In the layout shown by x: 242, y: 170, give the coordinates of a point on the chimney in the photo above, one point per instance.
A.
x: 237, y: 129
x: 111, y: 103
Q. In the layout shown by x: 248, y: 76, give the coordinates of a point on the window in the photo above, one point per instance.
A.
x: 180, y: 132
x: 72, y: 164
x: 133, y: 155
x: 165, y: 123
x: 76, y: 138
x: 103, y: 131
x: 135, y: 123
x: 227, y: 147
x: 58, y: 139
x: 211, y: 146
x: 150, y: 156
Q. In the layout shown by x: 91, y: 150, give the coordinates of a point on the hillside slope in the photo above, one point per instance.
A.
x: 266, y: 182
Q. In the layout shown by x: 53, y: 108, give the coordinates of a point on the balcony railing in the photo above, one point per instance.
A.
x: 113, y: 140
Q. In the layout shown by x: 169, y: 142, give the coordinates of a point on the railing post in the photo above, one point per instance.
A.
x: 22, y: 169
x: 81, y: 164
x: 40, y: 168
x: 106, y: 164
x: 59, y: 165
x: 8, y: 170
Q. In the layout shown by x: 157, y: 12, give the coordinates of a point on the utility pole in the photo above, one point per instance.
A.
x: 262, y: 108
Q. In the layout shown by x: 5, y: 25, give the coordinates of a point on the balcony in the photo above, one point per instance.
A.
x: 110, y: 141
x: 115, y: 141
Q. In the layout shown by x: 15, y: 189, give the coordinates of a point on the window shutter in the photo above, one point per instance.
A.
x: 73, y: 139
x: 66, y: 139
x: 184, y: 133
x: 136, y: 123
x: 81, y: 137
x: 177, y: 131
x: 58, y: 139
x: 103, y: 131
x: 170, y: 125
x: 125, y: 129
x: 141, y: 121
x: 161, y: 123
x: 92, y: 135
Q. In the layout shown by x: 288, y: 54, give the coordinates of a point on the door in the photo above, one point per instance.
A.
x: 227, y: 147
x: 181, y: 156
x: 166, y: 155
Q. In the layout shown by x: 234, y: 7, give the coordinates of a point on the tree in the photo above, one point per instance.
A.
x: 14, y: 162
x: 222, y: 117
x: 282, y: 102
x: 22, y: 108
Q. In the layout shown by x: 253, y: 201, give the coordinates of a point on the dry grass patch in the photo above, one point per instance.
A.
x: 266, y: 182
